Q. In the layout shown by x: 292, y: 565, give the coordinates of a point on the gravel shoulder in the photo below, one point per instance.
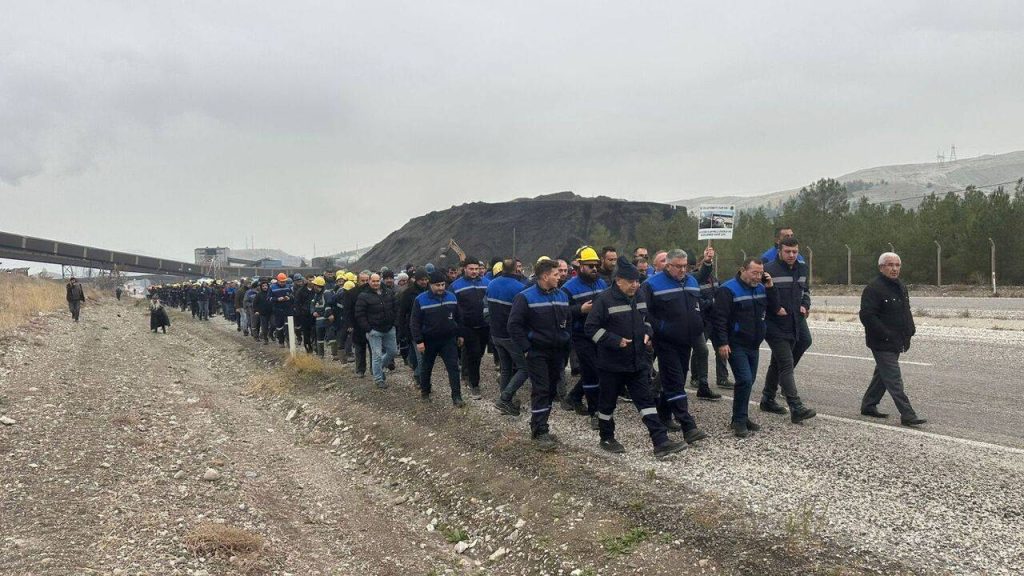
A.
x: 118, y: 427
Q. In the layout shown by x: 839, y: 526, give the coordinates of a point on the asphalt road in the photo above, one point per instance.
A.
x: 989, y: 307
x: 964, y: 381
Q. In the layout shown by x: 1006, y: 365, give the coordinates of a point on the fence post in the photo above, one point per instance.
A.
x: 993, y: 266
x: 810, y: 265
x: 745, y: 254
x: 938, y: 262
x: 891, y: 247
x: 849, y: 265
x: 291, y: 335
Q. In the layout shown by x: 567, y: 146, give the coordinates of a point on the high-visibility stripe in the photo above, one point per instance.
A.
x: 620, y: 308
x: 648, y: 412
x: 674, y: 398
x: 597, y: 335
x: 496, y: 301
x: 604, y: 416
x: 543, y: 304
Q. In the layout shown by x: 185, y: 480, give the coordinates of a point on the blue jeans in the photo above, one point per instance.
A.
x: 743, y: 362
x: 384, y: 348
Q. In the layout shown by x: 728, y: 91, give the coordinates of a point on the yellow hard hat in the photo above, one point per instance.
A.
x: 349, y: 285
x: 498, y: 267
x: 319, y: 281
x: 542, y: 259
x: 339, y: 274
x: 587, y: 254
x: 351, y: 276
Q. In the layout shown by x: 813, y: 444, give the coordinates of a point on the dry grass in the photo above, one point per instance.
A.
x: 22, y: 298
x: 213, y: 538
x: 300, y: 370
x: 308, y: 365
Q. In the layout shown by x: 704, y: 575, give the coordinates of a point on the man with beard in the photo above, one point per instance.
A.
x: 581, y: 291
x: 471, y: 294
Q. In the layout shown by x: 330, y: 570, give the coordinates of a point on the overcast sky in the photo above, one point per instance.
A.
x: 158, y: 127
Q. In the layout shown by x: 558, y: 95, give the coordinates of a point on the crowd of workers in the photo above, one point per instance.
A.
x: 584, y: 333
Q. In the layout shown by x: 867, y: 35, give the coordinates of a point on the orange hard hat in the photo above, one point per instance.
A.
x: 282, y: 277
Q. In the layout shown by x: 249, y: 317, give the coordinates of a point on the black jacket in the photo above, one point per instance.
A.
x: 615, y: 316
x: 349, y: 308
x: 886, y: 316
x: 376, y: 311
x: 739, y: 315
x: 405, y: 302
x: 791, y: 292
x: 540, y: 319
x: 262, y: 304
x: 303, y: 296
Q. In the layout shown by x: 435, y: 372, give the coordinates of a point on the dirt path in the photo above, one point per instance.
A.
x: 102, y: 472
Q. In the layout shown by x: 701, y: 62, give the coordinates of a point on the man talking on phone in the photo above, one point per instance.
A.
x: 739, y: 329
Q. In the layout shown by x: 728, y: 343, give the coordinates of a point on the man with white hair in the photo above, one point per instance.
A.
x: 888, y: 327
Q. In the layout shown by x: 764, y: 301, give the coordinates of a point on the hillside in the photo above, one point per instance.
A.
x: 259, y: 253
x: 888, y: 183
x: 554, y: 225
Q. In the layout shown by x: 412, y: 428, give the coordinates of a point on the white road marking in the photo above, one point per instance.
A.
x: 854, y: 357
x: 912, y: 431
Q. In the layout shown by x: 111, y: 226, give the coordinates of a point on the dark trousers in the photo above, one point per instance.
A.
x: 545, y: 368
x: 589, y: 384
x: 513, y: 370
x: 474, y: 345
x: 773, y: 375
x: 743, y: 362
x: 639, y: 386
x: 359, y: 346
x: 673, y: 361
x: 785, y: 355
x: 265, y: 323
x: 887, y: 378
x: 280, y: 321
x: 76, y: 308
x: 305, y: 328
x: 700, y: 365
x: 448, y: 350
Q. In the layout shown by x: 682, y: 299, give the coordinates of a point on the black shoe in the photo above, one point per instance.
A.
x: 705, y: 393
x: 694, y: 383
x: 544, y: 442
x: 772, y: 407
x: 753, y: 426
x: 671, y: 424
x: 913, y: 421
x: 669, y: 447
x: 382, y: 384
x: 424, y: 397
x: 694, y: 435
x: 802, y: 413
x: 595, y: 422
x: 458, y: 403
x: 566, y: 405
x: 360, y: 374
x: 740, y: 429
x: 725, y: 383
x: 474, y: 392
x: 506, y: 407
x: 612, y: 445
x: 874, y: 413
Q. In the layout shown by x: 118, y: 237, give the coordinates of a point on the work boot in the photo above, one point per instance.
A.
x: 753, y: 426
x: 566, y: 404
x: 474, y: 392
x: 694, y: 435
x: 580, y: 408
x: 669, y: 447
x: 912, y: 421
x: 506, y: 407
x: 801, y: 413
x: 424, y: 396
x: 544, y: 442
x: 724, y: 383
x: 595, y: 422
x: 705, y: 393
x: 612, y: 445
x: 772, y: 406
x: 334, y: 350
x: 671, y: 424
x: 458, y: 403
x: 740, y: 429
x: 874, y: 413
x: 694, y: 383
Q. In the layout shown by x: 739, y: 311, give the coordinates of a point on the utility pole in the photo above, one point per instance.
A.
x: 849, y: 265
x: 810, y: 265
x: 938, y: 263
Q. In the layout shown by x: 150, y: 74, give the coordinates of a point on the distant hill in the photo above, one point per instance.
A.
x: 888, y: 183
x: 554, y: 225
x: 260, y: 253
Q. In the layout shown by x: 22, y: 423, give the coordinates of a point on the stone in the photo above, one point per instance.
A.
x: 498, y: 554
x: 179, y: 474
x: 211, y: 475
x: 520, y: 524
x: 461, y: 547
x: 292, y: 414
x: 7, y: 421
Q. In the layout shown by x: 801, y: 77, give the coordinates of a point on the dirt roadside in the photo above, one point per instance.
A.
x: 102, y: 472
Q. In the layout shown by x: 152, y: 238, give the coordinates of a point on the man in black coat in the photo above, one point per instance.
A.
x: 75, y: 297
x: 359, y: 343
x: 420, y: 283
x: 888, y: 328
x: 376, y: 312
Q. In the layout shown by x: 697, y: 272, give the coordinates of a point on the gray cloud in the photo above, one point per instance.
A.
x: 336, y: 123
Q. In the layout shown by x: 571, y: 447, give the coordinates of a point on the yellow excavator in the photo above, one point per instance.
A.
x: 454, y: 246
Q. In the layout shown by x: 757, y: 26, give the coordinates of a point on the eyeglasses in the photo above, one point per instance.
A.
x: 590, y: 266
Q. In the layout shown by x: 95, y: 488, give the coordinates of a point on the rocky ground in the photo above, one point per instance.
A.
x: 200, y: 452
